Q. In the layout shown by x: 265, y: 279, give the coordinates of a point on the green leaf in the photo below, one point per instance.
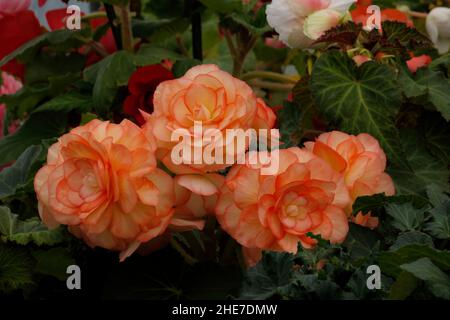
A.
x: 395, y: 33
x: 49, y: 64
x: 319, y: 288
x: 15, y: 176
x: 366, y: 204
x: 437, y: 136
x: 439, y: 227
x: 113, y: 72
x: 29, y: 97
x: 23, y: 100
x: 24, y: 232
x: 390, y: 261
x: 425, y: 169
x: 16, y: 267
x: 436, y: 195
x: 437, y: 281
x: 223, y: 6
x: 295, y: 116
x: 182, y: 66
x: 290, y: 120
x: 269, y: 276
x: 344, y: 34
x: 359, y: 100
x: 222, y: 58
x: 409, y: 86
x: 441, y: 64
x: 361, y: 242
x: 39, y: 126
x: 87, y: 117
x: 60, y: 40
x: 406, y: 217
x: 256, y: 25
x: 432, y: 85
x: 412, y: 237
x: 149, y: 54
x: 53, y: 262
x: 67, y: 102
x: 160, y: 30
x: 402, y: 288
x: 165, y: 9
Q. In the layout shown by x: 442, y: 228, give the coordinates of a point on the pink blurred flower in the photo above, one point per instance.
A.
x: 10, y: 7
x: 274, y: 43
x: 361, y: 59
x: 9, y: 86
x: 416, y: 63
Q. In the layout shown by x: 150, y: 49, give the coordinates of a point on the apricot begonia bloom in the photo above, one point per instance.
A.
x: 276, y: 212
x: 359, y: 158
x: 365, y: 220
x: 191, y: 207
x: 216, y: 100
x: 102, y: 181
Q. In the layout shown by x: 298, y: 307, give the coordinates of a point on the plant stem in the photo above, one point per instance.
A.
x: 187, y: 257
x: 98, y: 47
x: 310, y: 65
x: 181, y: 45
x: 272, y: 85
x: 240, y: 50
x: 268, y: 75
x: 230, y: 43
x: 416, y: 14
x: 94, y: 15
x: 247, y: 46
x: 196, y: 22
x: 237, y: 64
x: 112, y: 23
x: 124, y: 15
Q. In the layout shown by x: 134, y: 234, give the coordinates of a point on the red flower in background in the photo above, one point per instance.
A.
x: 57, y: 20
x: 142, y: 86
x: 360, y: 15
x: 108, y: 39
x: 363, y: 3
x: 396, y: 15
x: 416, y: 63
x: 19, y: 25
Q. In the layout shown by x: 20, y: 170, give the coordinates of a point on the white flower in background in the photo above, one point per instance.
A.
x: 300, y: 22
x: 319, y: 22
x: 438, y: 28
